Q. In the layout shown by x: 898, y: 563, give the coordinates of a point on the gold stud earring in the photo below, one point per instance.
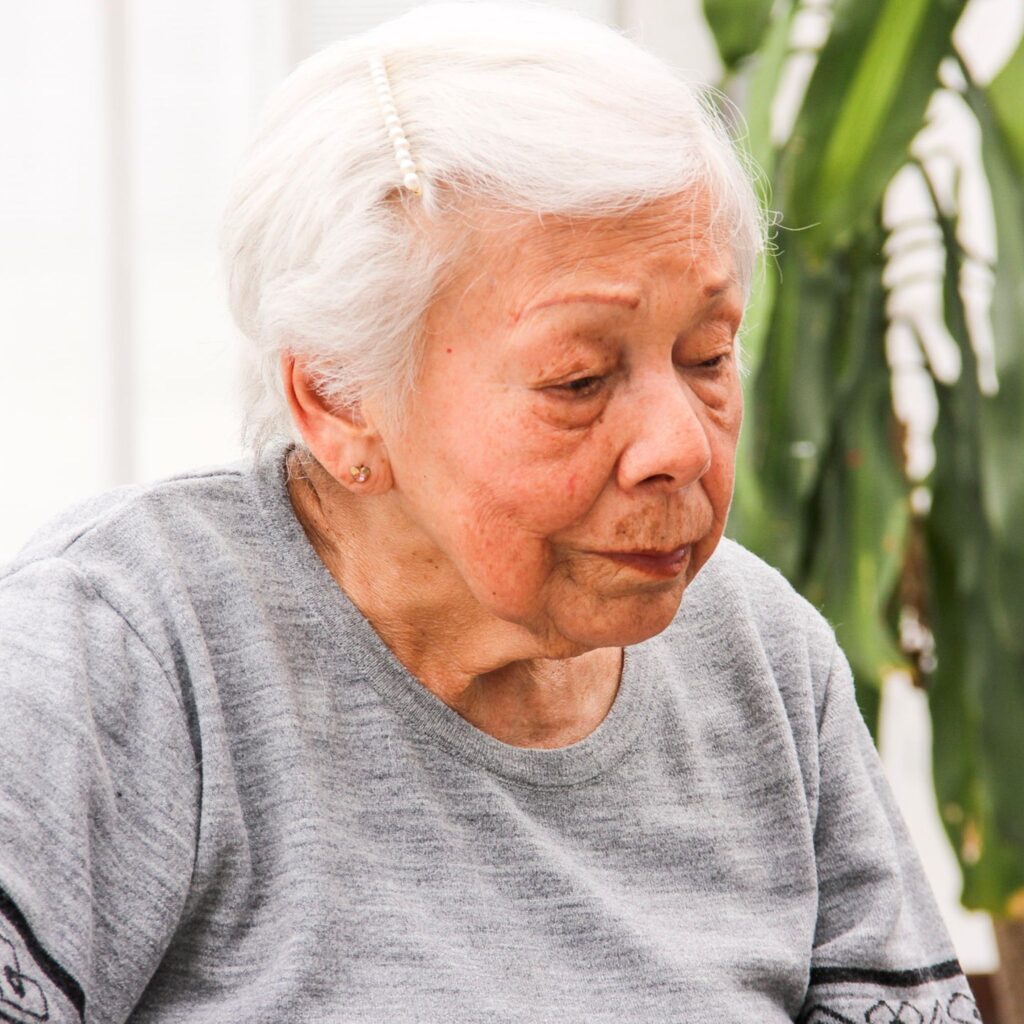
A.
x: 360, y: 474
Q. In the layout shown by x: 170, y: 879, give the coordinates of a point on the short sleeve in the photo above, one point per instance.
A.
x: 881, y: 951
x: 98, y: 802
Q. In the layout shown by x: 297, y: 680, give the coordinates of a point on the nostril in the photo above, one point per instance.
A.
x: 659, y: 478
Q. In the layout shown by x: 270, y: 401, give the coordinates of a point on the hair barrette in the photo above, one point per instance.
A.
x: 410, y: 176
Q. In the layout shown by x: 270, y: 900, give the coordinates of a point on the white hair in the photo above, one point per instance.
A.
x: 521, y: 108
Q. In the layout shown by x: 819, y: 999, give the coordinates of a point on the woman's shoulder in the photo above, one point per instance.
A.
x: 738, y: 602
x: 138, y: 525
x: 151, y: 557
x: 738, y: 583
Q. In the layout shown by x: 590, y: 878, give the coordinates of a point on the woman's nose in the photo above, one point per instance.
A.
x: 669, y: 447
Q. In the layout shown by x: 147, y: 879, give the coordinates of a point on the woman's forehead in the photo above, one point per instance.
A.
x: 528, y: 263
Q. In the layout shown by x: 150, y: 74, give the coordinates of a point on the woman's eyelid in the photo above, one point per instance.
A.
x: 710, y: 362
x: 583, y: 380
x: 583, y: 386
x: 595, y: 367
x: 722, y: 346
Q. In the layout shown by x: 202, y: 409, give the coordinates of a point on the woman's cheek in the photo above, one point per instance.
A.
x: 503, y: 557
x: 722, y: 413
x: 553, y: 475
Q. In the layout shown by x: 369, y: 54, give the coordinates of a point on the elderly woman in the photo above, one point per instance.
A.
x: 452, y: 704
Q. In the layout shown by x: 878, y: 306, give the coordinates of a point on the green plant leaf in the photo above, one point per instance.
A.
x: 762, y: 87
x: 864, y: 105
x: 738, y: 26
x: 976, y: 693
x: 1001, y: 416
x: 788, y: 416
x: 857, y: 526
x: 798, y: 372
x: 758, y: 315
x: 1005, y: 95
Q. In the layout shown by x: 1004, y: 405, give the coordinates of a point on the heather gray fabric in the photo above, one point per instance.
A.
x: 222, y: 800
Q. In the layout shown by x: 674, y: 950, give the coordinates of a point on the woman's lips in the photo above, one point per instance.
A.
x: 663, y: 564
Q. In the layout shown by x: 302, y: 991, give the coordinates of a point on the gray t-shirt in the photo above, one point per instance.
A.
x: 222, y: 800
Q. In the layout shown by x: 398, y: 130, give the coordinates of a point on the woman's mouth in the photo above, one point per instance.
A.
x: 663, y: 564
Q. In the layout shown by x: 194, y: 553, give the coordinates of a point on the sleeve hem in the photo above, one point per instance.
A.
x: 57, y: 975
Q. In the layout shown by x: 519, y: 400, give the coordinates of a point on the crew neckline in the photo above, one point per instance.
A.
x: 349, y: 639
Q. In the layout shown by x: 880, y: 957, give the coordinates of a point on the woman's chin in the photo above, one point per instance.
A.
x: 619, y: 621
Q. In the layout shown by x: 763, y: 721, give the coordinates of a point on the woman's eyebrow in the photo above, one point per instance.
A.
x: 619, y: 297
x: 616, y: 298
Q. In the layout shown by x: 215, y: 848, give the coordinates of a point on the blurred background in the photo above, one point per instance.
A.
x: 881, y: 465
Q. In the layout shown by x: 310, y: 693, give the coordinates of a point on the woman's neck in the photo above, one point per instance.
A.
x: 495, y: 674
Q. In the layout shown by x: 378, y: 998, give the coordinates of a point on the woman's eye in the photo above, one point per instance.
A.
x: 714, y: 363
x: 581, y: 387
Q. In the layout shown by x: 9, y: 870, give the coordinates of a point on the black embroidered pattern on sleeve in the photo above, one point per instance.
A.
x: 23, y: 997
x: 891, y: 979
x: 957, y: 1007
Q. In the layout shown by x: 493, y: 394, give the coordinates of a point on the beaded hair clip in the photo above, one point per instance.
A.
x: 410, y: 177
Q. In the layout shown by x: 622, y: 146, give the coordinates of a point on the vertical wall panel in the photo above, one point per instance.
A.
x: 53, y: 300
x: 190, y: 102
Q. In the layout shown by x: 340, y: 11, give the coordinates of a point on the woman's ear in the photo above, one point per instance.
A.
x: 344, y: 443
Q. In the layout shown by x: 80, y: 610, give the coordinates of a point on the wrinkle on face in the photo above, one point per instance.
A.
x: 644, y: 241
